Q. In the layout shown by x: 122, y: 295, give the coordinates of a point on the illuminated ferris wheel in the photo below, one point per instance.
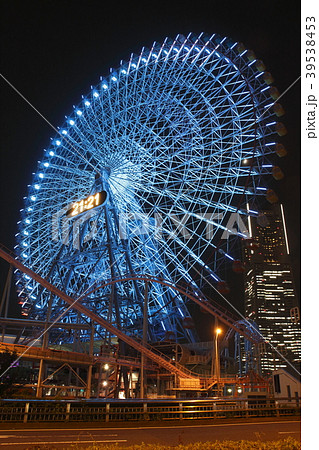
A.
x: 141, y: 179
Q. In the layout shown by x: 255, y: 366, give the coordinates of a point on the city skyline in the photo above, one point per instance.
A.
x: 270, y: 295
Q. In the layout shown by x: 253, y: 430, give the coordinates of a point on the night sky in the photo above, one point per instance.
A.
x: 53, y: 51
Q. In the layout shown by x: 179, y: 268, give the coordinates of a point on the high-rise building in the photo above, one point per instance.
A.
x: 270, y: 296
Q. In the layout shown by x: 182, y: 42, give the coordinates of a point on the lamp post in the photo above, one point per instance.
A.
x: 217, y: 364
x: 105, y: 382
x: 145, y: 326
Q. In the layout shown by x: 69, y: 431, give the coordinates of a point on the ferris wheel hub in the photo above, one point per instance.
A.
x: 107, y: 171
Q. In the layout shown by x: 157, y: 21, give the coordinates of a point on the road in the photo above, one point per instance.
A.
x: 17, y: 436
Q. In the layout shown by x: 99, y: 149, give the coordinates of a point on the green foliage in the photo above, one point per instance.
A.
x: 13, y: 376
x: 286, y: 444
x: 6, y: 359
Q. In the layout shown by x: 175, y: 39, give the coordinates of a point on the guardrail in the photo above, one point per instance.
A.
x: 141, y: 410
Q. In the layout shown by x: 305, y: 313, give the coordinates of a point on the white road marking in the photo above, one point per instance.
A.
x: 288, y: 432
x: 78, y: 435
x: 65, y: 442
x: 156, y: 428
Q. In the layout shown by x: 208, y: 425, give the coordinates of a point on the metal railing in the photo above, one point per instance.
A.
x: 140, y: 410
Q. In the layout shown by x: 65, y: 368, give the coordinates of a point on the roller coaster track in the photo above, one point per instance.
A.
x: 151, y: 353
x: 66, y: 356
x: 242, y: 327
x: 48, y: 354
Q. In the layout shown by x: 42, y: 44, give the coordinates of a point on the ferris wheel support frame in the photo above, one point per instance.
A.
x: 76, y: 304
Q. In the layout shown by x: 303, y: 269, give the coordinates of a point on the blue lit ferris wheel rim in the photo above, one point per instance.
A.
x: 172, y: 126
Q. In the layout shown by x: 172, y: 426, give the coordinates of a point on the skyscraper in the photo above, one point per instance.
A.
x: 270, y: 295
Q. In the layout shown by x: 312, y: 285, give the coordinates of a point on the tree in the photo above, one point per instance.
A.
x: 7, y: 359
x: 13, y: 377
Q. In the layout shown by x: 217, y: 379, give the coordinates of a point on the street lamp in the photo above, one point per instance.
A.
x: 218, y: 331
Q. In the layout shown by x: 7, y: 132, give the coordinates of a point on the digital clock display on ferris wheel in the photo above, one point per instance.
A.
x: 85, y: 204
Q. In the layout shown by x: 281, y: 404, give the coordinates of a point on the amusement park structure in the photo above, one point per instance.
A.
x: 125, y: 228
x: 185, y: 379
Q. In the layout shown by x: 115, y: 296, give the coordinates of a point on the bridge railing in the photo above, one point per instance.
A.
x: 144, y: 409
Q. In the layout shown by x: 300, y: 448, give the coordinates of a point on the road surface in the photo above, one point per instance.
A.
x: 20, y: 436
